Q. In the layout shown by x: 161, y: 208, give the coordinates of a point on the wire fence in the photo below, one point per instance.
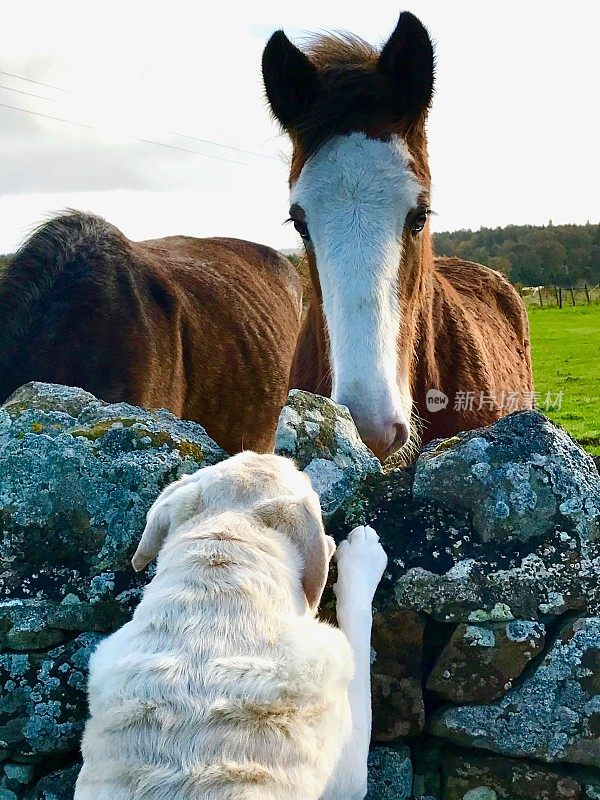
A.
x: 560, y: 296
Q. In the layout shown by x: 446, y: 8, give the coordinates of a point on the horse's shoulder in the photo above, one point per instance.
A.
x: 468, y: 276
x: 476, y: 283
x: 460, y: 270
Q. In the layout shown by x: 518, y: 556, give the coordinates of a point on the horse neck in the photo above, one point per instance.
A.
x: 311, y: 366
x: 423, y: 323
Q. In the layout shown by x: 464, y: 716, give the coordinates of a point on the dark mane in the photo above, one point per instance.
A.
x: 340, y: 51
x: 351, y: 96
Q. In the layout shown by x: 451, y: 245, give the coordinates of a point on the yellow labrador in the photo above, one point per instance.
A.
x: 224, y: 685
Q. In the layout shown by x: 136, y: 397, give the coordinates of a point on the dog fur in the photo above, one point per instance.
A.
x: 224, y: 686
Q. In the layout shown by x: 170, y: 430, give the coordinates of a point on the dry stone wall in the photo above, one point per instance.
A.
x: 486, y: 634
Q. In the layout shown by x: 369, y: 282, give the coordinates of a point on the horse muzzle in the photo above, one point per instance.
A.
x: 391, y: 439
x: 383, y: 433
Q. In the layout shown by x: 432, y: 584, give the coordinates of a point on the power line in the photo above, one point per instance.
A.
x: 228, y: 146
x: 28, y: 94
x: 86, y: 97
x: 125, y: 135
x: 39, y: 83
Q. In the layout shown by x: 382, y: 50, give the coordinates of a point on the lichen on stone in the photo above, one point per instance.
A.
x: 548, y: 717
x: 321, y: 437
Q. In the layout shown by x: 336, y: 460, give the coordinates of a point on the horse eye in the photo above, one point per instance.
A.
x: 417, y: 223
x: 302, y: 229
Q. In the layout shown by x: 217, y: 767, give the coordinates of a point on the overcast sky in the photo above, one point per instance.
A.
x: 514, y: 132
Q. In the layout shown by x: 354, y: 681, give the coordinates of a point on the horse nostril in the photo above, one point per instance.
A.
x: 386, y: 445
x: 400, y: 439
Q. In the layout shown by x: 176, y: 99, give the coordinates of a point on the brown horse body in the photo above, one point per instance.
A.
x: 204, y: 327
x: 412, y: 344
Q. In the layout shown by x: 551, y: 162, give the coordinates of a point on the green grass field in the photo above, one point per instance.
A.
x: 566, y: 358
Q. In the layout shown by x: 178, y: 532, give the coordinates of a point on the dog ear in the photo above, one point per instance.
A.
x: 300, y: 519
x: 177, y: 503
x: 158, y: 521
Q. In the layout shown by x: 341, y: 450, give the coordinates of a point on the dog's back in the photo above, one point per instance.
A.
x: 217, y: 689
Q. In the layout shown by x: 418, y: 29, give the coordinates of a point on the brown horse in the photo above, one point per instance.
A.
x: 204, y: 327
x: 405, y: 340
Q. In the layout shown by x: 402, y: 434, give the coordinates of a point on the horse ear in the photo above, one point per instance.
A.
x: 291, y: 81
x: 299, y: 518
x: 407, y: 67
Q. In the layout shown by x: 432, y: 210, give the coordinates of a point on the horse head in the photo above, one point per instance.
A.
x: 360, y: 188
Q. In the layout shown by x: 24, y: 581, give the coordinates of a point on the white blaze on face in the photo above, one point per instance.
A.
x: 356, y: 193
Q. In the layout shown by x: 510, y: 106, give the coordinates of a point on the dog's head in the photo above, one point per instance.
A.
x: 271, y: 488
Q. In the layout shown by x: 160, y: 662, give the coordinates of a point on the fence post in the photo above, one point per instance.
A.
x: 556, y: 293
x: 568, y: 274
x: 587, y: 294
x: 540, y: 294
x: 560, y: 296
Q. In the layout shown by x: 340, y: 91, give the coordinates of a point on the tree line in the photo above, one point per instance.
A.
x: 529, y: 255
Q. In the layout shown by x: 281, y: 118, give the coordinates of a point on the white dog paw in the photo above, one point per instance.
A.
x: 361, y: 562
